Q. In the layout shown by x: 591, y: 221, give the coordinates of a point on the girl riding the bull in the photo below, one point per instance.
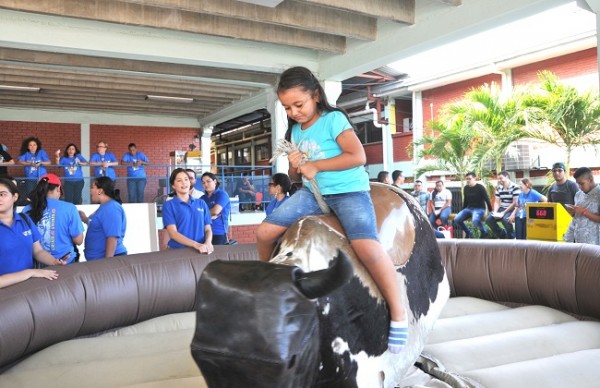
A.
x: 329, y: 151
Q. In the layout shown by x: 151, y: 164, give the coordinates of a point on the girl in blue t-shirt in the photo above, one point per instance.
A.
x: 73, y: 182
x: 107, y: 225
x: 34, y: 158
x: 219, y: 205
x: 519, y: 216
x: 330, y: 152
x: 187, y: 219
x: 19, y: 242
x: 57, y: 221
x: 279, y: 188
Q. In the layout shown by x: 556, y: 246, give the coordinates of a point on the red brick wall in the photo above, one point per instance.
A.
x: 435, y: 99
x: 373, y: 152
x: 155, y: 142
x: 244, y: 234
x: 52, y: 135
x: 568, y: 66
x: 400, y: 142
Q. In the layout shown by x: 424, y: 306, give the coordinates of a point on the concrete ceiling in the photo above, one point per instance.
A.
x: 104, y: 57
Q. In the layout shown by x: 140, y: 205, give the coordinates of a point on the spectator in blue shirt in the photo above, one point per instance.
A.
x: 519, y: 215
x: 107, y: 225
x: 187, y: 219
x: 57, y: 221
x: 103, y: 161
x: 279, y: 188
x: 34, y: 158
x: 219, y: 205
x: 136, y: 174
x: 73, y: 180
x: 19, y: 242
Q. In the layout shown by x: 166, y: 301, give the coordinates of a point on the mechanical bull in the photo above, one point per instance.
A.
x: 312, y: 316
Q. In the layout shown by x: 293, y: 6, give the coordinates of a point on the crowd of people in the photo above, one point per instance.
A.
x: 35, y: 161
x: 506, y: 216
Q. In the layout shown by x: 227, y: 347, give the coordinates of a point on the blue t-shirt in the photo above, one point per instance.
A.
x: 319, y: 142
x: 16, y: 244
x: 190, y: 218
x: 72, y: 167
x: 107, y: 157
x: 137, y: 171
x: 59, y: 224
x: 274, y: 204
x: 220, y: 225
x: 532, y: 196
x: 32, y: 171
x: 108, y: 221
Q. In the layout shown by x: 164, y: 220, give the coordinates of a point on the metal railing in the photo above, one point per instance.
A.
x: 157, y: 180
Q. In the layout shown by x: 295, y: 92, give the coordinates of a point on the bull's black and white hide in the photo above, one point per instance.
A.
x: 352, y: 320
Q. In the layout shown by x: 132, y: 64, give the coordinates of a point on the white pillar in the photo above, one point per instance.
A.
x: 84, y: 133
x: 386, y: 135
x: 205, y: 144
x: 278, y: 129
x: 593, y: 6
x: 333, y: 89
x: 418, y: 124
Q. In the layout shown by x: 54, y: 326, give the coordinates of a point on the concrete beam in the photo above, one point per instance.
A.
x: 396, y: 10
x: 296, y: 14
x: 115, y: 11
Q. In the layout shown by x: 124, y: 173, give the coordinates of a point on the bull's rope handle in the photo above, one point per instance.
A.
x: 284, y: 147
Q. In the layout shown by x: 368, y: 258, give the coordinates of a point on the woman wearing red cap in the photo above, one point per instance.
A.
x: 57, y: 221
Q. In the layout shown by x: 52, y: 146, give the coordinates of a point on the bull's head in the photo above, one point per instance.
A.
x: 256, y: 323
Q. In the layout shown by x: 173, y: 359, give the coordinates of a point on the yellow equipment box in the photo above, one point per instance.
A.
x: 547, y: 221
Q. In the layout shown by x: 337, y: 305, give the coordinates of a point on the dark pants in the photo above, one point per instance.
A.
x: 521, y: 228
x: 135, y: 189
x: 72, y: 190
x: 508, y: 231
x: 476, y: 214
x: 219, y: 239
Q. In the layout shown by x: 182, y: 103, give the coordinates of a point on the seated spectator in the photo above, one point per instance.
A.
x: 20, y: 242
x: 187, y: 219
x: 397, y: 178
x: 5, y: 160
x: 475, y: 200
x: 422, y: 195
x: 58, y: 222
x: 384, y: 177
x: 507, y: 194
x: 519, y: 214
x: 441, y: 203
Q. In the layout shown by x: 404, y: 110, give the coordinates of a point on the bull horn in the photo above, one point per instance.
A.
x: 320, y: 283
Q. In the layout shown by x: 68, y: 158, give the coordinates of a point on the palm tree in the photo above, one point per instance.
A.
x: 497, y: 121
x: 570, y: 119
x: 448, y: 148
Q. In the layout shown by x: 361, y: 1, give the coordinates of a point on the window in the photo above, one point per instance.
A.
x: 262, y: 152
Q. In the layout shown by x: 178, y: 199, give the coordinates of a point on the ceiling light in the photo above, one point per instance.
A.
x: 184, y: 100
x: 19, y: 88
